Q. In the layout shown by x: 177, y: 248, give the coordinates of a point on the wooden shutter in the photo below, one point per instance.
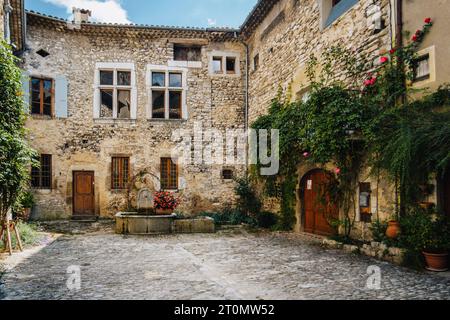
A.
x: 61, y: 97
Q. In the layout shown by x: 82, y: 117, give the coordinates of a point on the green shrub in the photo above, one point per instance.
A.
x: 266, y: 220
x: 230, y: 216
x: 379, y: 229
x: 29, y: 235
x: 248, y: 201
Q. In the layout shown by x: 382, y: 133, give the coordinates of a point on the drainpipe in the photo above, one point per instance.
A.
x: 399, y: 24
x: 246, y: 122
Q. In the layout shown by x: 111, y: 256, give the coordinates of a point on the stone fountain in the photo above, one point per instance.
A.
x: 144, y: 221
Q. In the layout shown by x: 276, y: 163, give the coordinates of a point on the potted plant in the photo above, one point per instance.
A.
x: 393, y: 229
x: 165, y: 203
x: 24, y: 206
x: 436, y: 244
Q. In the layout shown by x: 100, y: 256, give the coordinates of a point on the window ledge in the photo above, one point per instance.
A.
x: 185, y: 64
x: 225, y: 75
x: 41, y: 117
x: 113, y: 121
x: 168, y: 120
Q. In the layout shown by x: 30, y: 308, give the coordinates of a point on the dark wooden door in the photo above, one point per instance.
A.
x: 83, y: 194
x: 318, y: 208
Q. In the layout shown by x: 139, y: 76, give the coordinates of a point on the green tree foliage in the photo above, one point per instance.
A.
x: 15, y: 154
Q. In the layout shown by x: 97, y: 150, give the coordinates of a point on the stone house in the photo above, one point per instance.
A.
x: 282, y: 35
x: 105, y: 99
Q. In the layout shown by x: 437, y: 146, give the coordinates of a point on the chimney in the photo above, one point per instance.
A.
x: 81, y: 15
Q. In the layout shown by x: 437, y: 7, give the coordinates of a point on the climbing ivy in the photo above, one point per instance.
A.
x: 357, y: 113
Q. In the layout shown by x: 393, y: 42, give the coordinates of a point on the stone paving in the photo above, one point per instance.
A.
x: 236, y: 265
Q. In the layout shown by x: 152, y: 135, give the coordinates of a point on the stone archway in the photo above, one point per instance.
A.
x: 316, y: 208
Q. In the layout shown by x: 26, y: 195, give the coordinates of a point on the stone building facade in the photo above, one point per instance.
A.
x: 280, y: 44
x: 231, y: 82
x: 2, y: 18
x: 80, y: 138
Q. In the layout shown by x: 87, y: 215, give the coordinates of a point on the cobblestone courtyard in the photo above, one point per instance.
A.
x: 220, y: 266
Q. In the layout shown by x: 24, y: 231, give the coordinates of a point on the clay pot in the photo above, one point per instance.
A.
x: 393, y: 230
x: 164, y: 212
x: 436, y: 262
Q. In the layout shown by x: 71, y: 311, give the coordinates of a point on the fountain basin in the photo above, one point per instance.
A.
x: 135, y: 224
x: 138, y: 224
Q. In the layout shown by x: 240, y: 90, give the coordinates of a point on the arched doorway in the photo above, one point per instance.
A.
x: 317, y: 207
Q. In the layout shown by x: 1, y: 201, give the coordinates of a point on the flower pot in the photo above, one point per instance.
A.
x: 25, y: 214
x: 427, y: 205
x: 393, y: 230
x: 436, y: 262
x: 164, y: 212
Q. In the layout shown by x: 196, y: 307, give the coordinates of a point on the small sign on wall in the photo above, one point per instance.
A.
x: 309, y: 185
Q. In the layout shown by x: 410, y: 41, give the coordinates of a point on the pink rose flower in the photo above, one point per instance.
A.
x: 384, y: 59
x: 337, y: 170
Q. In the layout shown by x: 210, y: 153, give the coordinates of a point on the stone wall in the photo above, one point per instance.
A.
x: 81, y: 143
x: 2, y: 18
x: 285, y: 40
x: 292, y: 32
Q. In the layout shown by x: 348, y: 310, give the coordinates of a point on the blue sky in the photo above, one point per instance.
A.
x: 193, y: 13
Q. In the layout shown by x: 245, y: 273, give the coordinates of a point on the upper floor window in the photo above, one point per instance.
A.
x: 115, y: 93
x: 187, y: 53
x: 167, y: 92
x: 42, y: 96
x: 223, y: 63
x: 422, y: 68
x: 331, y: 10
x: 41, y: 175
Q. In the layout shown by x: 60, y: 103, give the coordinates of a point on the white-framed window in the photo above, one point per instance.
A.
x: 115, y: 89
x: 167, y: 92
x: 224, y: 63
x: 332, y: 10
x: 424, y: 67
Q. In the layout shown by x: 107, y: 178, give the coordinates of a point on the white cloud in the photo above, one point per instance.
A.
x: 212, y: 22
x: 102, y: 10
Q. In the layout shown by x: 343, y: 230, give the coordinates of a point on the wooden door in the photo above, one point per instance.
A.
x: 83, y: 194
x: 317, y: 205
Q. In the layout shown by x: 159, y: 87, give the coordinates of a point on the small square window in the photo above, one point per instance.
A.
x: 123, y: 78
x: 217, y: 65
x: 256, y: 62
x: 231, y: 65
x: 187, y: 53
x: 106, y: 78
x: 422, y: 68
x: 158, y: 79
x: 227, y: 174
x: 175, y: 80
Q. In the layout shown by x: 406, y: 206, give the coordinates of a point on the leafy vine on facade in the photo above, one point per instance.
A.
x: 360, y: 113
